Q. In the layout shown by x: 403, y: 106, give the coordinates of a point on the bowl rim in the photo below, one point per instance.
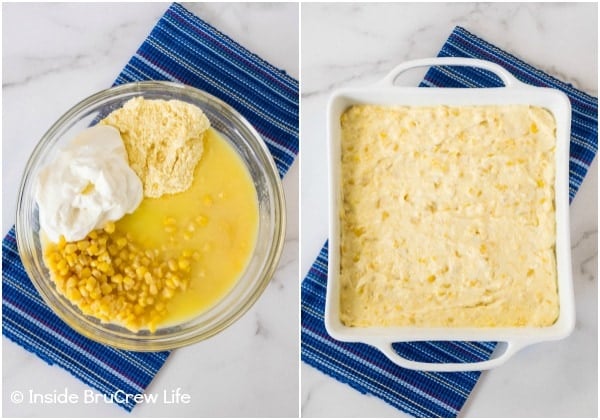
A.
x: 124, y: 340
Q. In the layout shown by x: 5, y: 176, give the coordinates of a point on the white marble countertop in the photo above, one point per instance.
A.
x: 57, y: 54
x: 344, y: 45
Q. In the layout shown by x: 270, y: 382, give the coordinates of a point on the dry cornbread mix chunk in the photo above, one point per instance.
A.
x: 448, y: 216
x: 164, y: 141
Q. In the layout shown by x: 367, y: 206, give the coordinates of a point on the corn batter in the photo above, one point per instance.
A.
x: 448, y: 216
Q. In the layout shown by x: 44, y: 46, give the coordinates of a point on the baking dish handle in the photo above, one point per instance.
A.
x: 511, y: 348
x: 508, y: 79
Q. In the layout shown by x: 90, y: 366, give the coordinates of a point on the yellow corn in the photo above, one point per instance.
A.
x: 110, y: 227
x: 108, y: 276
x: 534, y: 128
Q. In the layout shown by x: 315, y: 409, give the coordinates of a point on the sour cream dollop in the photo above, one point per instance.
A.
x: 89, y: 184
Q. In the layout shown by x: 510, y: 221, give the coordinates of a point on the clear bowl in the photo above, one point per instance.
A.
x: 271, y: 230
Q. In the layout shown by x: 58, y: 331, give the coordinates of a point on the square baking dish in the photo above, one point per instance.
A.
x: 514, y: 92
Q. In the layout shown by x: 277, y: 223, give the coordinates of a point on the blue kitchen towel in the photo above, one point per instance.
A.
x: 432, y: 394
x: 181, y: 48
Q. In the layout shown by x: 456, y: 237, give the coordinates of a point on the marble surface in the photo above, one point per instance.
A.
x: 354, y: 45
x: 57, y: 54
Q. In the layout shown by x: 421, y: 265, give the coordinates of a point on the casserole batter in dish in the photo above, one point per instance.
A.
x: 448, y: 216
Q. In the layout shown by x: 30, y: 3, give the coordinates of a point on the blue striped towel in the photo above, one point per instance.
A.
x: 429, y: 394
x: 181, y: 48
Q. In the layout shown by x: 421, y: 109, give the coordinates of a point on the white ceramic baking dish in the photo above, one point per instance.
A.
x: 386, y: 93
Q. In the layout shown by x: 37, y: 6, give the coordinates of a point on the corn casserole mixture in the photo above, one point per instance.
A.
x: 448, y: 216
x: 186, y: 241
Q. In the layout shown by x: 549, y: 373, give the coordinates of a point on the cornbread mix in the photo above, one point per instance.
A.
x: 163, y: 141
x: 447, y: 216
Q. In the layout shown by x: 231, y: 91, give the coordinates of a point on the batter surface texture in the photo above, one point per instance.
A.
x: 448, y: 216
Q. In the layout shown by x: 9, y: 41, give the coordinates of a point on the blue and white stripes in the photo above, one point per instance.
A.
x: 181, y: 48
x: 432, y: 394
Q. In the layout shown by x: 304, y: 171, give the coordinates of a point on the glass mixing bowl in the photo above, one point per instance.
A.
x: 271, y: 230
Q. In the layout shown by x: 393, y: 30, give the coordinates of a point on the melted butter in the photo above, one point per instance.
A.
x: 217, y: 218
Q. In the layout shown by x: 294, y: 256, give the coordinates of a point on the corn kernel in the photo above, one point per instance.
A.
x: 183, y: 263
x: 175, y: 280
x: 121, y: 243
x: 110, y: 227
x: 172, y: 265
x: 208, y: 200
x: 148, y: 278
x: 534, y: 128
x: 170, y: 221
x: 359, y: 231
x: 70, y: 248
x: 140, y: 272
x: 93, y: 249
x: 103, y: 267
x: 159, y: 271
x: 153, y: 289
x: 113, y: 249
x: 73, y: 294
x: 201, y: 220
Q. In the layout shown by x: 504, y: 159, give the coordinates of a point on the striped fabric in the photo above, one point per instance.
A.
x: 181, y: 48
x: 433, y: 394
